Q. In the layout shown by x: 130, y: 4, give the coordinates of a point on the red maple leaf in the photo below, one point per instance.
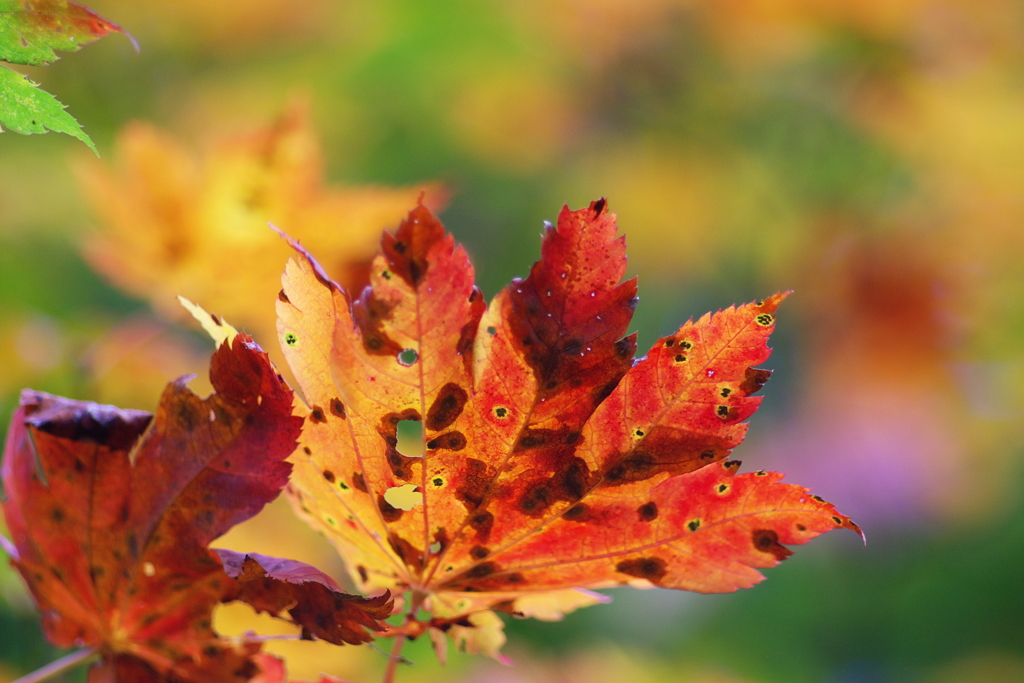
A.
x: 111, y: 512
x: 551, y: 458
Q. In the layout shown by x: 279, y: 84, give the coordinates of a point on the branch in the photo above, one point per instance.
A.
x: 60, y: 666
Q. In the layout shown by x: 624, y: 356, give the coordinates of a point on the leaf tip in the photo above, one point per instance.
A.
x: 215, y: 326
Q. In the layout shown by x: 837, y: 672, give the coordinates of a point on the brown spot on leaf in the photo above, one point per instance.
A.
x: 482, y: 570
x: 536, y: 500
x: 329, y: 476
x: 578, y: 513
x: 650, y: 568
x: 317, y: 415
x: 648, y: 511
x: 447, y: 407
x: 767, y: 541
x: 449, y: 441
x: 388, y: 512
x: 475, y: 479
x: 337, y: 408
x: 359, y: 482
x: 281, y: 296
x: 481, y: 522
x: 479, y: 552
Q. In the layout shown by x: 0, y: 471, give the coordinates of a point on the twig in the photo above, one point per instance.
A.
x: 60, y: 666
x: 395, y: 658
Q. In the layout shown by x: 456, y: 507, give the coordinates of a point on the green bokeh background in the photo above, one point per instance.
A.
x: 745, y: 148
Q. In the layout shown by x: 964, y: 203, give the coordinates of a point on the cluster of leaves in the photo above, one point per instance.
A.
x: 551, y: 461
x: 30, y: 32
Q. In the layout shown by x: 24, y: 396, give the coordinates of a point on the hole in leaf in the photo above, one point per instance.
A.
x: 410, y: 438
x: 408, y: 356
x: 404, y: 497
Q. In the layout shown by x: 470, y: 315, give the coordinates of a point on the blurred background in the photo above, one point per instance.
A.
x: 868, y: 154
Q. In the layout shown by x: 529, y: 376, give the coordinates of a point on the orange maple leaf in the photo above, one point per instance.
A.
x: 551, y: 459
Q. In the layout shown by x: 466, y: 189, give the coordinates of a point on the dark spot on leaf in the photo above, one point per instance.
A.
x: 536, y: 500
x: 767, y: 541
x: 765, y: 319
x: 598, y: 206
x: 388, y: 511
x: 290, y: 339
x: 317, y: 415
x: 363, y: 576
x: 306, y: 450
x: 732, y: 464
x: 475, y: 480
x: 532, y: 438
x: 449, y: 441
x: 680, y: 358
x: 329, y: 476
x: 725, y: 392
x: 670, y: 341
x: 447, y: 407
x: 577, y: 513
x: 482, y: 522
x: 650, y: 568
x: 801, y: 527
x: 57, y: 515
x: 438, y: 481
x: 636, y: 468
x: 405, y: 550
x: 838, y: 521
x: 639, y: 432
x: 722, y: 412
x: 482, y: 570
x: 648, y: 511
x: 605, y: 391
x: 722, y: 488
x: 281, y: 296
x: 693, y: 525
x: 400, y: 247
x: 343, y: 485
x: 359, y: 482
x: 386, y: 274
x: 479, y: 552
x: 818, y: 498
x: 491, y: 330
x: 408, y: 357
x: 707, y: 455
x: 501, y: 412
x: 337, y: 408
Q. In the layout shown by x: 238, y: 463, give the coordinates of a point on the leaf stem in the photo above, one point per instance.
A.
x: 60, y: 666
x: 396, y: 649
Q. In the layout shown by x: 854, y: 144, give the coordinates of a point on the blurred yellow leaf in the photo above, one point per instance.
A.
x: 178, y: 222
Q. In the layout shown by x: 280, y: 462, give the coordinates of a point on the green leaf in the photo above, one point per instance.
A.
x: 30, y: 30
x: 26, y: 109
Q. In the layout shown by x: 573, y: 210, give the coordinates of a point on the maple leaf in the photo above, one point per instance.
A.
x: 111, y: 512
x: 551, y: 458
x: 26, y: 109
x: 30, y: 30
x: 169, y: 214
x: 313, y: 600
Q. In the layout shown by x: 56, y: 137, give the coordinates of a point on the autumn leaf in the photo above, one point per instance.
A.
x: 551, y: 459
x: 169, y: 214
x: 30, y: 30
x: 312, y: 599
x: 111, y: 512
